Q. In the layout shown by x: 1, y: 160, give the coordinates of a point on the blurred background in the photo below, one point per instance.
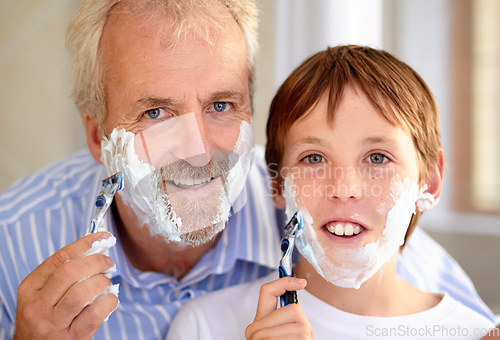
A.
x: 453, y: 44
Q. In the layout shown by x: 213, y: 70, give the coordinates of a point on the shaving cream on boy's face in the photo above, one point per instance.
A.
x: 350, y: 265
x: 176, y: 187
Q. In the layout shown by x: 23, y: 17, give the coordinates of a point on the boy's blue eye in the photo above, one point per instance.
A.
x: 314, y: 159
x: 377, y: 158
x: 220, y: 106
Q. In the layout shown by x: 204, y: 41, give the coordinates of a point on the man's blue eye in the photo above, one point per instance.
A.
x: 220, y: 106
x: 153, y: 113
x: 314, y: 159
x: 377, y: 158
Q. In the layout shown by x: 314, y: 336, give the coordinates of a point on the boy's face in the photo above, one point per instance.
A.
x: 346, y: 174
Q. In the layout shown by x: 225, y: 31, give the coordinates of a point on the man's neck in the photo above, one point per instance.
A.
x: 153, y: 253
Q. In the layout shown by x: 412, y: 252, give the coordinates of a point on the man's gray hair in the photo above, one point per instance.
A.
x: 86, y: 27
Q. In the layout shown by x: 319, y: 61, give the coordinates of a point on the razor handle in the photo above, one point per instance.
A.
x: 287, y: 297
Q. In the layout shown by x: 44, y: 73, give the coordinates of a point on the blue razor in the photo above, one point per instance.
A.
x: 104, y: 199
x: 286, y: 266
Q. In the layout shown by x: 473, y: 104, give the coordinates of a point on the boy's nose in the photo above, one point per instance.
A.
x: 346, y: 185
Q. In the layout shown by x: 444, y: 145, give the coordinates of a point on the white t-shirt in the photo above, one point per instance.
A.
x: 225, y: 314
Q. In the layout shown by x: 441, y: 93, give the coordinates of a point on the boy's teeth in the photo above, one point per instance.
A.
x: 348, y: 229
x: 341, y: 229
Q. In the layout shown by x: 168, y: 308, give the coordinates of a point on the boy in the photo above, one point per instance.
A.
x: 354, y: 147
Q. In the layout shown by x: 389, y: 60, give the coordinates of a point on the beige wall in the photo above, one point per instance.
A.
x: 38, y: 122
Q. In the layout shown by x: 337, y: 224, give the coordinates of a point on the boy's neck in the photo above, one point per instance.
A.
x: 384, y: 294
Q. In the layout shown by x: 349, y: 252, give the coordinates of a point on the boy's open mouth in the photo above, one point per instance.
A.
x: 344, y: 228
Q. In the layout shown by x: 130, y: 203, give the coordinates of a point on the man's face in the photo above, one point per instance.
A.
x: 185, y: 103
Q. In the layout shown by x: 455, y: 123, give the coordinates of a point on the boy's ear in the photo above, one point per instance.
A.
x: 93, y: 135
x: 279, y: 200
x: 435, y: 178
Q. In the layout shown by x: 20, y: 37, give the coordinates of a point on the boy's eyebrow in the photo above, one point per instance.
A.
x: 376, y: 140
x: 311, y: 140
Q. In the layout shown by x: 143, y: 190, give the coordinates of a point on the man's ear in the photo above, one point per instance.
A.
x: 279, y: 200
x: 93, y: 135
x: 435, y: 178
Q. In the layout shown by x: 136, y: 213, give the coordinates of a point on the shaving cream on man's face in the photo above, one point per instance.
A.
x: 176, y: 187
x: 350, y: 267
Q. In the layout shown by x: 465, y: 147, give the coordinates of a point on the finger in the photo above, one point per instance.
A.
x: 282, y: 316
x: 286, y: 331
x: 78, y: 297
x: 270, y: 292
x: 90, y: 319
x: 77, y: 249
x: 73, y: 272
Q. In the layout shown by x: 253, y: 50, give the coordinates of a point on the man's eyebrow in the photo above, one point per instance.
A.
x: 224, y: 95
x: 152, y: 102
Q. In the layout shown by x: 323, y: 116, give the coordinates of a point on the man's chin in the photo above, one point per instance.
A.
x: 202, y: 235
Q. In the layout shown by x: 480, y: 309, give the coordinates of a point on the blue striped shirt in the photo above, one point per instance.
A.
x: 52, y: 208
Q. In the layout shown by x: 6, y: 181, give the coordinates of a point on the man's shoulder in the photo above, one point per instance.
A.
x: 68, y: 178
x: 259, y: 160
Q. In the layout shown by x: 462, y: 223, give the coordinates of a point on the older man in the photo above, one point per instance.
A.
x: 164, y: 89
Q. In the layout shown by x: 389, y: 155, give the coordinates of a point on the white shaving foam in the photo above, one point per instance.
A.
x: 352, y: 267
x: 152, y: 207
x: 426, y: 200
x: 101, y: 246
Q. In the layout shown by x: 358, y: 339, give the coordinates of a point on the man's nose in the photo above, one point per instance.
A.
x: 193, y: 145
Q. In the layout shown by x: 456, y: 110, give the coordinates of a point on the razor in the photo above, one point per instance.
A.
x: 104, y: 199
x: 291, y: 231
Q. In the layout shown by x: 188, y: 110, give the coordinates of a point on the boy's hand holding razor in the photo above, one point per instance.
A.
x: 288, y: 322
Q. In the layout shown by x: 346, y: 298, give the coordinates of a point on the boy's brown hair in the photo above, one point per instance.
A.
x: 393, y: 88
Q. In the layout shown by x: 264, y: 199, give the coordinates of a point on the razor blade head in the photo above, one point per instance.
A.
x: 116, y: 179
x: 294, y: 225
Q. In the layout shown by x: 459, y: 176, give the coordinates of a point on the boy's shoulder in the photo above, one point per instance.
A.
x: 466, y: 317
x: 221, y: 314
x: 241, y: 295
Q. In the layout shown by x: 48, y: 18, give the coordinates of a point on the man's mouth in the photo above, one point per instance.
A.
x: 191, y: 183
x: 344, y: 228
